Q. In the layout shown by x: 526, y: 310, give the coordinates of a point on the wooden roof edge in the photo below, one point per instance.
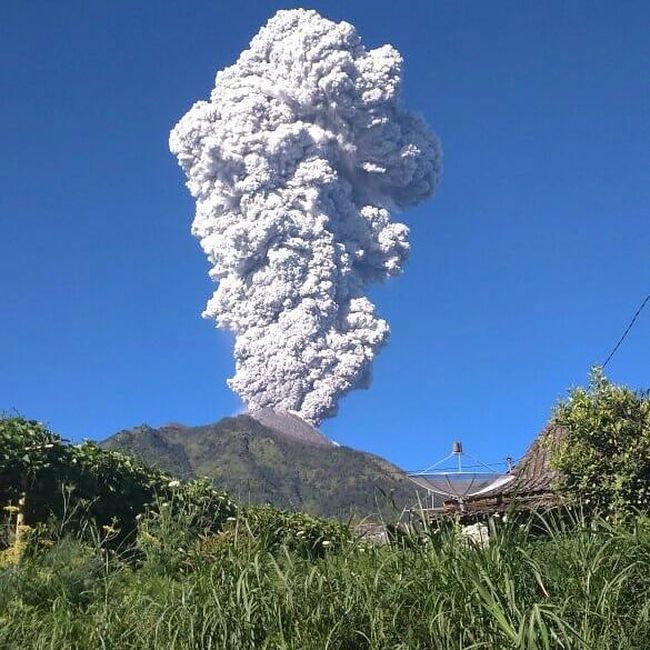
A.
x: 534, y: 472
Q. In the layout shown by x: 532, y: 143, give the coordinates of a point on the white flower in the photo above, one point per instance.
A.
x: 174, y: 484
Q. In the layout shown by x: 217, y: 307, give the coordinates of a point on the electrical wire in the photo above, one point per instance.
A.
x: 625, y: 333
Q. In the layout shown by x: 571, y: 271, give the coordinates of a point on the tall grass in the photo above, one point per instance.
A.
x: 576, y: 586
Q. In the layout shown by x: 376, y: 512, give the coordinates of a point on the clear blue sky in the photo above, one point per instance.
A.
x: 525, y: 269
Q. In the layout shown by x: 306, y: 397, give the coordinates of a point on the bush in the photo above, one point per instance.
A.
x: 171, y: 529
x: 67, y: 486
x: 603, y: 459
x: 296, y: 531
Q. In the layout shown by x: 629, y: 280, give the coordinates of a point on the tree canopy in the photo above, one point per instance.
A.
x: 603, y: 459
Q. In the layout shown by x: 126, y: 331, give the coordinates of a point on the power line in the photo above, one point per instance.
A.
x: 629, y: 327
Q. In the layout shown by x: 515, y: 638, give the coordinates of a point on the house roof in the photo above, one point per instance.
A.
x: 529, y: 484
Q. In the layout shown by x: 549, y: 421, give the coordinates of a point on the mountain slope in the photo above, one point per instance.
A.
x: 257, y: 463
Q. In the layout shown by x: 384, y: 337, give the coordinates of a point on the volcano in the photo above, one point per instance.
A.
x: 274, y: 457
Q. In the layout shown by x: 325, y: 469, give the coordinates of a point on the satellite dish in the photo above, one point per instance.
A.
x: 450, y: 478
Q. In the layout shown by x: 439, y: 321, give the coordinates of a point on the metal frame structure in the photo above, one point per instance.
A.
x: 454, y: 483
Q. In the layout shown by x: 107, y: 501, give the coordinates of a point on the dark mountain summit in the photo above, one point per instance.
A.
x: 276, y: 457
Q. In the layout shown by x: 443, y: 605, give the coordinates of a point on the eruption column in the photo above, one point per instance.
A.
x: 296, y: 162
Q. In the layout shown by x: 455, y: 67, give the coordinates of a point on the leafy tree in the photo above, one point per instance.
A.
x: 603, y: 459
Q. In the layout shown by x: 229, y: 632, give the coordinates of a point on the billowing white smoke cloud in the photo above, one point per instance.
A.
x: 295, y: 164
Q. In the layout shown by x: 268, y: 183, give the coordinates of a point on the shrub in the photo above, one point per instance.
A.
x: 70, y: 485
x: 604, y: 457
x: 296, y: 531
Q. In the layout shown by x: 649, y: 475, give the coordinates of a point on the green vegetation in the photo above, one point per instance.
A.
x: 99, y: 551
x: 245, y: 588
x: 256, y: 464
x: 604, y: 456
x: 48, y: 484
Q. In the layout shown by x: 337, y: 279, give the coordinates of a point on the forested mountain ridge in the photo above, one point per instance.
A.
x: 257, y: 463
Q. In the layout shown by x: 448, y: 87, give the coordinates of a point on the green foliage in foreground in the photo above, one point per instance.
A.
x: 604, y: 457
x: 578, y: 587
x: 57, y: 483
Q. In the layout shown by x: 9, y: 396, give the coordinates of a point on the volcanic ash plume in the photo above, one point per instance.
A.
x: 296, y: 162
